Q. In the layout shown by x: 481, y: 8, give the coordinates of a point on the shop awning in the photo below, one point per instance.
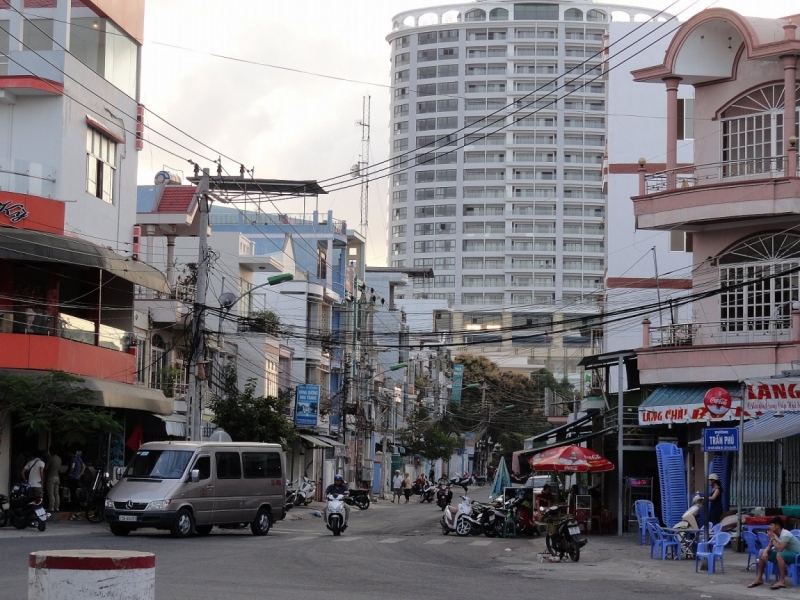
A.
x: 174, y: 424
x: 319, y: 441
x: 21, y: 244
x: 563, y: 429
x: 112, y: 394
x: 769, y: 428
x: 684, y: 404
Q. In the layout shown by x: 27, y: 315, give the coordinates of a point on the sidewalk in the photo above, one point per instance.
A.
x: 614, y: 559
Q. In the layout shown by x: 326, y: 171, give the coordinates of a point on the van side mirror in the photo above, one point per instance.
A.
x: 118, y: 471
x: 195, y: 475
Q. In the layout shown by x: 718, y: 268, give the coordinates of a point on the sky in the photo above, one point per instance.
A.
x: 282, y: 123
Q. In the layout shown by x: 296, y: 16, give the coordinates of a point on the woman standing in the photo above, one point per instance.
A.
x: 714, y: 500
x: 407, y: 487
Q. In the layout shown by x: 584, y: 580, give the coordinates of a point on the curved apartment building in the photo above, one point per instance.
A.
x: 510, y: 215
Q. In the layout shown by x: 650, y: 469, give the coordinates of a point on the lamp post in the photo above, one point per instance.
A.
x: 384, y: 473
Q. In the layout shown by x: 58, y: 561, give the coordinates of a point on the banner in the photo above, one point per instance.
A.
x: 458, y: 381
x: 773, y: 394
x: 689, y: 413
x: 306, y: 406
x: 469, y: 443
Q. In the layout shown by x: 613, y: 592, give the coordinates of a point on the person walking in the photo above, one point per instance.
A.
x: 406, y: 485
x: 34, y: 475
x: 52, y: 478
x: 76, y: 469
x: 397, y: 483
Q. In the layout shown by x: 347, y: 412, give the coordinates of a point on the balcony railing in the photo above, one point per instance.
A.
x: 732, y: 331
x: 23, y: 177
x: 711, y: 173
x: 183, y: 293
x: 37, y: 322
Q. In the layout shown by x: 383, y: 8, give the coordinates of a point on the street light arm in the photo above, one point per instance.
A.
x: 274, y: 280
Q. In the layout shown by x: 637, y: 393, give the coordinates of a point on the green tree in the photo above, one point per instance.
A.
x: 426, y: 438
x: 55, y: 404
x: 265, y: 321
x: 250, y: 418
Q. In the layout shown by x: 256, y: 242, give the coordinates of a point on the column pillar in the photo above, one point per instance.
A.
x: 642, y: 171
x: 15, y: 23
x: 789, y: 109
x: 672, y: 129
x: 171, y: 260
x: 61, y: 26
x: 646, y: 333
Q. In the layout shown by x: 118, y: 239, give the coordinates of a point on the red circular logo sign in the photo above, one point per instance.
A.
x: 717, y: 401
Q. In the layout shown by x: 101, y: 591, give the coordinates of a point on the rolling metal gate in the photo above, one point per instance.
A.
x: 761, y: 474
x: 791, y: 470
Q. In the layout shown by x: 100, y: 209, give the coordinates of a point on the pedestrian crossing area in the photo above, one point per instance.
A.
x: 427, y: 540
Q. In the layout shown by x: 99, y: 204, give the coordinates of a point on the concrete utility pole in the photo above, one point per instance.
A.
x: 194, y: 432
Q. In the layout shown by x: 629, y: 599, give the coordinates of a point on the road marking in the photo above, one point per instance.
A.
x: 481, y: 543
x: 304, y: 538
x: 437, y: 542
x: 347, y: 538
x: 391, y: 540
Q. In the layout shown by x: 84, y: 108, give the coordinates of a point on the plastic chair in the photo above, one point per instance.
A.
x: 796, y: 533
x: 717, y: 546
x: 645, y: 514
x: 665, y: 543
x: 763, y: 540
x: 753, y: 549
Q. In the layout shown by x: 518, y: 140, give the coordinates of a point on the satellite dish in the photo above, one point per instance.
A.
x: 226, y: 299
x: 220, y: 436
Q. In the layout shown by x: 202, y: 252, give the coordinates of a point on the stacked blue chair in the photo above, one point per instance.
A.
x: 645, y: 514
x: 753, y: 549
x: 672, y: 482
x: 711, y: 552
x: 721, y: 466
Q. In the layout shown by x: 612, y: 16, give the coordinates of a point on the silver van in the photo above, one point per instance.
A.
x: 188, y: 487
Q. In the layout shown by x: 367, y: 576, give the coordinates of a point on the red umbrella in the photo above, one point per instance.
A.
x: 570, y: 459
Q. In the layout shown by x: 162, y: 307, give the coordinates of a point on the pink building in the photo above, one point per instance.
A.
x: 738, y: 208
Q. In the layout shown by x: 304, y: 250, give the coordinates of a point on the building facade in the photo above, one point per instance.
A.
x: 498, y: 133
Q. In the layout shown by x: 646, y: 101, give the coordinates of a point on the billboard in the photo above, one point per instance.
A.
x: 306, y: 407
x: 458, y: 381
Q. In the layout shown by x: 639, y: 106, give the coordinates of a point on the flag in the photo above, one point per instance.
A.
x: 136, y: 439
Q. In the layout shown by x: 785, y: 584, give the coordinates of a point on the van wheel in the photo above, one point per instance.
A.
x: 203, y: 529
x: 262, y: 523
x: 183, y: 526
x: 119, y: 530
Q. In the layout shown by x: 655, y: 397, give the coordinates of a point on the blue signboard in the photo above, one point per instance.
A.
x: 721, y: 439
x: 458, y: 381
x: 306, y: 406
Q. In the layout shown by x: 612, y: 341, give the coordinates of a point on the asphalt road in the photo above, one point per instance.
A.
x: 389, y: 551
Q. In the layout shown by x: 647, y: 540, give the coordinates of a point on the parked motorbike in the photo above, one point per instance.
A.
x: 428, y: 492
x: 291, y: 496
x: 443, y: 495
x: 97, y: 497
x: 463, y: 482
x: 458, y: 519
x: 22, y: 510
x: 335, y: 514
x: 487, y: 518
x: 563, y: 534
x: 305, y: 493
x: 358, y: 498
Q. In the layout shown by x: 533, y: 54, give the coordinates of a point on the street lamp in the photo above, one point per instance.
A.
x: 228, y: 299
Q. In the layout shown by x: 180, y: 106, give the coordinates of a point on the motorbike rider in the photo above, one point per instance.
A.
x: 337, y: 488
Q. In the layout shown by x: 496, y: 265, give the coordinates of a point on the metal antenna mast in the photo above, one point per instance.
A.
x: 360, y: 170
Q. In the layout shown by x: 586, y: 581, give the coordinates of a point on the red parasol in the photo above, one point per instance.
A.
x: 570, y: 459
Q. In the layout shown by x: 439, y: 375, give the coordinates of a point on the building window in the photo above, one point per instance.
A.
x: 101, y: 153
x: 596, y: 16
x: 536, y: 12
x: 763, y: 298
x: 441, y: 281
x: 573, y: 14
x: 680, y: 241
x: 685, y: 118
x: 498, y: 14
x: 448, y: 71
x: 322, y: 264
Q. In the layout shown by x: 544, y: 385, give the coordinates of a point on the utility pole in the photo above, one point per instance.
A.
x: 363, y: 163
x: 197, y: 357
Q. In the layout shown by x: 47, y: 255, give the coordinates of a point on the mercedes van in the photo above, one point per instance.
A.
x: 189, y: 487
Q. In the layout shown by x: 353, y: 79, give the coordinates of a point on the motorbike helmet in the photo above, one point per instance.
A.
x: 338, y: 477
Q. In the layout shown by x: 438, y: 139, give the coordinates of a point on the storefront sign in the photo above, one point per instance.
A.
x: 14, y: 212
x: 773, y: 394
x: 720, y: 439
x: 458, y: 381
x: 688, y: 413
x: 717, y: 401
x: 469, y: 442
x: 306, y: 406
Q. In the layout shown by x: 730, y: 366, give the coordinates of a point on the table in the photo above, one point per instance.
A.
x: 688, y: 539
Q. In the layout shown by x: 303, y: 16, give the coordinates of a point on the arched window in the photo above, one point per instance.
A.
x: 476, y: 15
x: 409, y: 21
x: 620, y: 16
x: 573, y: 14
x: 762, y: 300
x: 498, y: 14
x: 596, y: 15
x: 428, y: 19
x: 752, y: 133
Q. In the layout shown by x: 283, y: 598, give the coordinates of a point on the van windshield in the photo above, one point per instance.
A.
x: 159, y: 464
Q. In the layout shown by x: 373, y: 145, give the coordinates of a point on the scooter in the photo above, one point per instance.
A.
x: 458, y: 519
x: 463, y: 482
x: 335, y: 514
x: 358, y: 498
x: 428, y: 492
x: 563, y: 534
x: 22, y: 510
x: 97, y: 499
x: 305, y: 494
x: 443, y: 495
x: 291, y: 496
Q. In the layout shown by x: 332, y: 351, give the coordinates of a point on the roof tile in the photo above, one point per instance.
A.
x: 176, y: 199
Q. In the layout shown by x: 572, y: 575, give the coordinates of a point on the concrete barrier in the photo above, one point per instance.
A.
x: 91, y: 574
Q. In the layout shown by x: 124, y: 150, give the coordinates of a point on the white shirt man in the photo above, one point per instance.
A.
x: 34, y: 472
x: 396, y: 483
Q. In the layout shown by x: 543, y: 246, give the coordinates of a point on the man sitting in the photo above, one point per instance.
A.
x: 783, y: 548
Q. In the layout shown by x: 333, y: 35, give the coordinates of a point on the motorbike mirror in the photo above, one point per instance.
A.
x: 195, y: 475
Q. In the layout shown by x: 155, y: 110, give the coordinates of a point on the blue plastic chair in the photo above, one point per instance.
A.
x: 663, y: 543
x: 753, y: 549
x: 711, y: 551
x: 645, y: 514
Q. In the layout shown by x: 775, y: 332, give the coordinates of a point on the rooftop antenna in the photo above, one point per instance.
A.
x: 360, y: 169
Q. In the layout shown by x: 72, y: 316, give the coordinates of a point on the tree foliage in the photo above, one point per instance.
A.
x: 427, y: 438
x: 55, y: 404
x: 265, y: 321
x: 250, y: 418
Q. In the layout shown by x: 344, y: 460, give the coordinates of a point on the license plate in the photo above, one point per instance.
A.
x: 40, y: 512
x: 574, y: 531
x: 6, y: 506
x: 127, y: 518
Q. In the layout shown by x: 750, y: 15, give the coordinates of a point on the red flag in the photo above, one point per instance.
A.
x: 136, y: 438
